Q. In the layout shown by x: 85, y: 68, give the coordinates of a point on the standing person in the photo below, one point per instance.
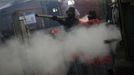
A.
x: 92, y: 19
x: 69, y: 21
x: 65, y: 6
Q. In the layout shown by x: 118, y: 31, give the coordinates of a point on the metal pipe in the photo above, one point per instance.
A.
x: 48, y: 16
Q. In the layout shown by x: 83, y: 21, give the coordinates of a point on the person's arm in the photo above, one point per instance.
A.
x: 61, y: 21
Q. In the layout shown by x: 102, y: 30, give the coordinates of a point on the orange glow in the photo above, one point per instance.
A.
x: 83, y: 21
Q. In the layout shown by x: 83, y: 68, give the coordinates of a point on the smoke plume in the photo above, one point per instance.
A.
x: 44, y: 54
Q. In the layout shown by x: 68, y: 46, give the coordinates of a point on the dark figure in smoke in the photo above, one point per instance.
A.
x: 69, y: 21
x: 92, y: 19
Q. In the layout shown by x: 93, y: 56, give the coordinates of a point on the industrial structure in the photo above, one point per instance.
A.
x: 24, y: 13
x: 20, y: 19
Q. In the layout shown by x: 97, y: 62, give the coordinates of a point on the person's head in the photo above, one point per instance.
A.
x: 71, y: 12
x: 91, y: 14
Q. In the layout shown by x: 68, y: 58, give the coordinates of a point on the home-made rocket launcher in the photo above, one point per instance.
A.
x: 48, y: 16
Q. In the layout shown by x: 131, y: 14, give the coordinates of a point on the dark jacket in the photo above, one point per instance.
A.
x: 68, y: 22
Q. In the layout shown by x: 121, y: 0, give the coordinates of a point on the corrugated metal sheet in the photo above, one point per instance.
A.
x: 42, y: 7
x: 24, y: 8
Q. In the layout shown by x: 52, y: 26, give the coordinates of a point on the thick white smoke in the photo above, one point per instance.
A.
x: 44, y: 54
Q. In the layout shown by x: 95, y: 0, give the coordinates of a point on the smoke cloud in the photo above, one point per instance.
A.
x: 44, y: 54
